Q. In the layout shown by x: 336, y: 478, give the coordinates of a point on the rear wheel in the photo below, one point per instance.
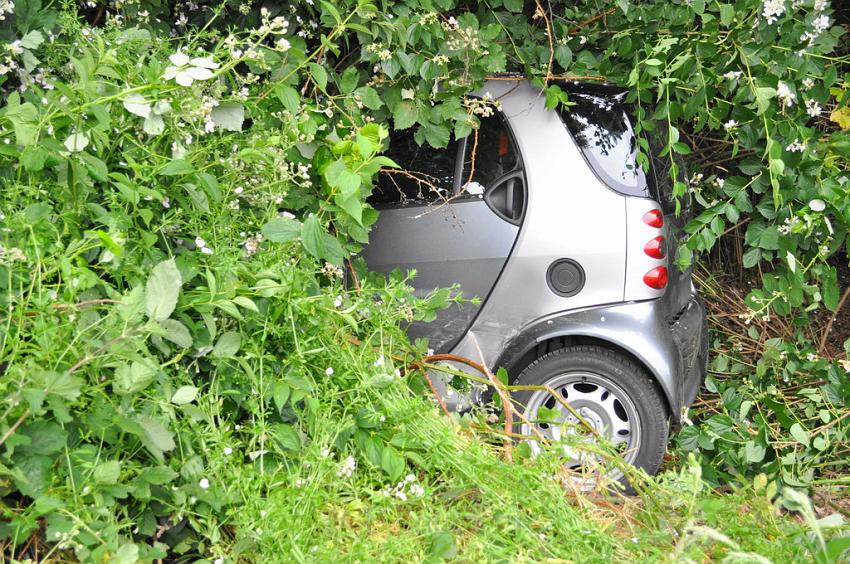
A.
x: 609, y: 391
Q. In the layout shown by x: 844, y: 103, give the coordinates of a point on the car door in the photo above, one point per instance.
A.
x: 452, y: 215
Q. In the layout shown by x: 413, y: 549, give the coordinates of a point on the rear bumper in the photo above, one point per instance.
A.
x: 689, y: 331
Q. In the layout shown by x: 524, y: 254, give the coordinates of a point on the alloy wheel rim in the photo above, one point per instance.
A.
x: 601, y: 402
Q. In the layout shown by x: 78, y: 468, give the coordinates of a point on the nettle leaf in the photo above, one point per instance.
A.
x: 319, y: 74
x: 177, y: 167
x: 287, y: 436
x: 228, y: 344
x: 405, y: 114
x: 32, y: 39
x: 281, y: 230
x: 312, y: 236
x: 763, y: 96
x: 392, y: 463
x: 184, y: 395
x: 229, y: 116
x: 137, y: 104
x: 162, y: 290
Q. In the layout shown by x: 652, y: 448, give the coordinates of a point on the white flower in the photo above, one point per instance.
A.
x: 772, y: 10
x: 729, y: 125
x: 417, y: 490
x: 204, y: 484
x: 813, y: 108
x: 228, y: 451
x: 185, y: 70
x: 218, y: 561
x: 300, y: 482
x: 795, y: 147
x: 200, y: 242
x: 410, y: 478
x: 733, y: 75
x: 845, y: 364
x: 325, y: 453
x: 786, y: 97
x: 329, y: 371
x: 808, y: 83
x: 347, y: 468
x: 338, y: 301
x: 817, y: 205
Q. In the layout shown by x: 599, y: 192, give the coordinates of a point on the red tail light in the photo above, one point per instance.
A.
x: 656, y: 278
x: 656, y: 248
x: 654, y: 218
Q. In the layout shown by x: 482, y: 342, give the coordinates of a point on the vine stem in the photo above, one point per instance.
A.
x: 14, y: 426
x: 828, y: 328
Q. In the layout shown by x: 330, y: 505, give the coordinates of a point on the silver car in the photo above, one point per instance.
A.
x: 546, y: 217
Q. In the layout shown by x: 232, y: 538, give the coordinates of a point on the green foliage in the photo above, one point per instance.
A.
x: 179, y: 347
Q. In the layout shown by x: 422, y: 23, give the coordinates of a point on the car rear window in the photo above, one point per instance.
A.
x: 599, y: 123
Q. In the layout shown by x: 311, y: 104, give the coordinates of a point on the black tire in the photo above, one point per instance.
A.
x: 575, y: 371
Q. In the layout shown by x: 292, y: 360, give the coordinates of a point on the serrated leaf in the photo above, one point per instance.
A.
x: 156, y: 438
x: 184, y: 395
x: 107, y: 472
x: 177, y: 167
x: 177, y: 333
x: 405, y: 114
x: 133, y: 377
x: 312, y: 236
x: 32, y: 39
x: 228, y: 344
x: 287, y: 436
x: 319, y: 74
x: 162, y: 290
x: 289, y: 97
x: 229, y: 116
x: 281, y: 230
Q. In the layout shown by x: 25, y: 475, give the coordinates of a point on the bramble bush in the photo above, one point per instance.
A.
x: 183, y: 184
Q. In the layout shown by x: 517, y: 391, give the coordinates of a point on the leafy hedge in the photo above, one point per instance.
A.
x: 178, y: 203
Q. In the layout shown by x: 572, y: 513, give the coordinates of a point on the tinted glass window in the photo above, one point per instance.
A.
x: 489, y: 158
x: 425, y: 176
x: 601, y: 128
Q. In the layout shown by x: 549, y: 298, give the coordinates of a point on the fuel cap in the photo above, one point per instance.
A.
x: 565, y: 277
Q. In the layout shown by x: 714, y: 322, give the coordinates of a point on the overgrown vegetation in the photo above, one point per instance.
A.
x: 185, y: 372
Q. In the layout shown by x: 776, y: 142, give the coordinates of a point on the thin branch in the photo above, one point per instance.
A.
x: 828, y: 329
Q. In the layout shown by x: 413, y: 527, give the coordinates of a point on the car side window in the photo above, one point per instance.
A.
x: 489, y: 157
x: 425, y: 177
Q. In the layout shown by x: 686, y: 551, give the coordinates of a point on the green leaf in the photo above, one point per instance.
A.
x: 281, y: 230
x: 229, y: 116
x: 349, y: 79
x: 156, y: 438
x: 177, y: 333
x: 392, y: 463
x: 162, y: 290
x: 319, y: 74
x: 280, y: 393
x: 763, y: 96
x: 153, y: 125
x: 184, y: 395
x: 107, y: 472
x: 799, y: 434
x: 441, y: 547
x: 340, y: 176
x: 727, y: 14
x: 177, y: 167
x: 24, y: 118
x: 405, y: 114
x: 754, y: 452
x: 830, y: 289
x: 287, y: 436
x: 32, y: 40
x: 289, y: 97
x: 312, y: 236
x: 228, y: 344
x: 158, y: 475
x: 33, y: 158
x: 133, y: 377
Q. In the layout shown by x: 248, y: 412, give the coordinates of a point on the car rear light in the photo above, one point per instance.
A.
x: 656, y: 247
x: 656, y: 278
x: 654, y: 218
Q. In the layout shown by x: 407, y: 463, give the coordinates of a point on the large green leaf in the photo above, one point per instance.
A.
x: 162, y: 290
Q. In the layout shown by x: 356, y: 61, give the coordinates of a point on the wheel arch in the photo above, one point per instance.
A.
x: 533, y: 349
